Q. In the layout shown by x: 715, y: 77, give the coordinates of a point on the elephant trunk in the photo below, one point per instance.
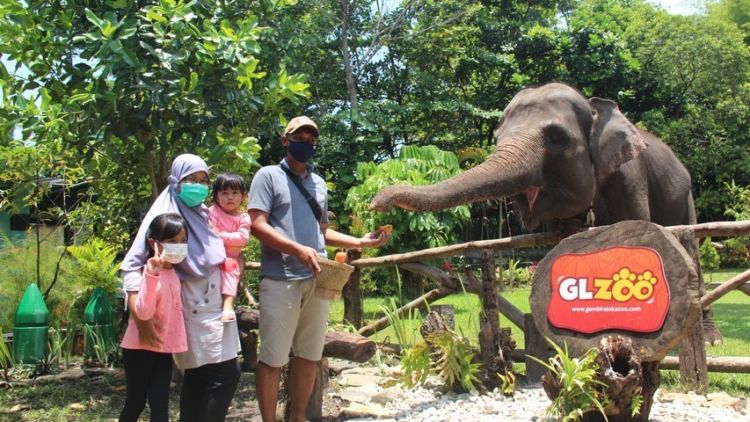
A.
x: 512, y: 169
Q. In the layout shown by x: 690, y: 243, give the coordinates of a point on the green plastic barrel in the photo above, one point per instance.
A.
x: 30, y: 327
x: 98, y: 320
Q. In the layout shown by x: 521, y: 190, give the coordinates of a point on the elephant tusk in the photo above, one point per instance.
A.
x: 532, y: 194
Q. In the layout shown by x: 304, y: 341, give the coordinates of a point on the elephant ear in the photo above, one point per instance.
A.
x: 614, y: 140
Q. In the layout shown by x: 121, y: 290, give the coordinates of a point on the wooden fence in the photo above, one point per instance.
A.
x: 692, y: 362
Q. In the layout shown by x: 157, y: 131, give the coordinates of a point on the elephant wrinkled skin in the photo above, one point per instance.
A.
x: 558, y: 155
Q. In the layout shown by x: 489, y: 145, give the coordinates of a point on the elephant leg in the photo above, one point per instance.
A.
x: 711, y: 334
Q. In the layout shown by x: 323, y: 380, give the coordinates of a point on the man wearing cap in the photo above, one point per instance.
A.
x: 293, y: 231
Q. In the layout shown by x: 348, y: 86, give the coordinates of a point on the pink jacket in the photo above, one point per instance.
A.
x: 159, y: 297
x: 234, y: 229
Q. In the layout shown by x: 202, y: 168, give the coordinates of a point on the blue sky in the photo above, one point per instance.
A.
x: 680, y: 7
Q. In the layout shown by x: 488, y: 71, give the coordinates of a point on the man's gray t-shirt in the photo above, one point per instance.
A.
x: 272, y: 191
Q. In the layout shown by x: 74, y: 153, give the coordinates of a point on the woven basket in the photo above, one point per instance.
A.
x: 331, y: 279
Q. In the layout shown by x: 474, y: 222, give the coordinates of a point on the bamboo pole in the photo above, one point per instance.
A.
x: 725, y: 288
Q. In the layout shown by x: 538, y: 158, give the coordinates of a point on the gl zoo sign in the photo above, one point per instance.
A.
x: 614, y: 288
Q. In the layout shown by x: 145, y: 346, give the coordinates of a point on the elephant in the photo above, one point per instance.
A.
x: 560, y: 156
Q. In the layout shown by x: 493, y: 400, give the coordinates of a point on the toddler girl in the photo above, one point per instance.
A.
x: 230, y: 221
x: 148, y: 359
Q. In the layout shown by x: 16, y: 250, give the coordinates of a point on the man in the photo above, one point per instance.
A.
x: 293, y: 235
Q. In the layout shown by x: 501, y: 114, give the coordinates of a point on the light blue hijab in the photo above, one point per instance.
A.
x: 205, y: 248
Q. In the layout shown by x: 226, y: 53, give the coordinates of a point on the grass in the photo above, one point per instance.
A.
x: 732, y: 314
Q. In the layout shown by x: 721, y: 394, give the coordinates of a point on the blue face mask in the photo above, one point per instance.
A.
x: 192, y: 194
x: 301, y: 151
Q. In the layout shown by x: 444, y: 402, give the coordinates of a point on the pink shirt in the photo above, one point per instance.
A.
x: 159, y: 297
x: 234, y: 229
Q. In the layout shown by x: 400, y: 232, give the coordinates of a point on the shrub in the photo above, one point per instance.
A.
x: 710, y: 259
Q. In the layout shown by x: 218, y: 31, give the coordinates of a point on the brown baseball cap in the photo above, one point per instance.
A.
x: 299, y: 122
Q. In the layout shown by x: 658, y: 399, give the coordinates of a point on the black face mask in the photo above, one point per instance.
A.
x: 301, y: 151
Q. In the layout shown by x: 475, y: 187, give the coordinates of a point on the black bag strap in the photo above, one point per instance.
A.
x: 314, y: 206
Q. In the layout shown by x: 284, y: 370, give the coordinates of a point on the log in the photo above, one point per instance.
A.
x: 656, y: 326
x: 247, y: 318
x: 736, y: 282
x: 352, y: 294
x: 526, y: 240
x: 744, y: 288
x: 715, y: 229
x: 348, y: 346
x: 417, y: 303
x: 727, y: 364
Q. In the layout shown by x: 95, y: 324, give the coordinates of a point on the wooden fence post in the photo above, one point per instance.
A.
x: 351, y: 292
x: 693, y: 367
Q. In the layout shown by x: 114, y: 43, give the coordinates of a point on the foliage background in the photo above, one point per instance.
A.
x: 108, y: 93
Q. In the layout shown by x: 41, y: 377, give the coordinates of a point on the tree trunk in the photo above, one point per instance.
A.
x: 351, y: 83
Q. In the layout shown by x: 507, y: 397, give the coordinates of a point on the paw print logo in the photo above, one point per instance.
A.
x: 644, y: 288
x: 647, y: 277
x: 624, y: 274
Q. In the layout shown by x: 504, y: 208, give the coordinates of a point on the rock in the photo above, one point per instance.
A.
x: 370, y: 410
x: 354, y: 395
x: 354, y: 379
x: 19, y: 407
x: 337, y: 366
x: 387, y: 395
x: 725, y: 401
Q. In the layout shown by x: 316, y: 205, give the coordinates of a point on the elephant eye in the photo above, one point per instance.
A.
x: 555, y: 138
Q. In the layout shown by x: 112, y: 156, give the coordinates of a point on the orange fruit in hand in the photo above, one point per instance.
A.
x: 388, y: 228
x: 340, y: 257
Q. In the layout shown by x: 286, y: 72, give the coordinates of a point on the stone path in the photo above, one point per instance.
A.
x: 368, y: 395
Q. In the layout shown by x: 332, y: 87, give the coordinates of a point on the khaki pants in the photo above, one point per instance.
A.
x: 291, y: 318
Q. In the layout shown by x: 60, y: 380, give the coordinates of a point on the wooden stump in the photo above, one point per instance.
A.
x: 581, y: 297
x: 314, y: 411
x: 440, y: 318
x: 351, y: 292
x: 249, y: 345
x: 680, y: 274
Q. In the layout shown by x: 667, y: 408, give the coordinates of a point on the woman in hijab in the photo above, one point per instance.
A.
x: 210, y: 364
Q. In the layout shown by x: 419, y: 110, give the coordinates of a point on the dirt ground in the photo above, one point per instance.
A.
x: 99, y: 396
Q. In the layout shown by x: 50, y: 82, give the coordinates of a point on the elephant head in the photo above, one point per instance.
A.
x: 553, y: 149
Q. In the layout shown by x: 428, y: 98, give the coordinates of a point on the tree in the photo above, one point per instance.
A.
x: 127, y: 85
x: 411, y: 230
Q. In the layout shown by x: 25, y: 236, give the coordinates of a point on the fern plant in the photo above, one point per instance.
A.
x: 444, y: 354
x: 95, y: 264
x: 575, y: 381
